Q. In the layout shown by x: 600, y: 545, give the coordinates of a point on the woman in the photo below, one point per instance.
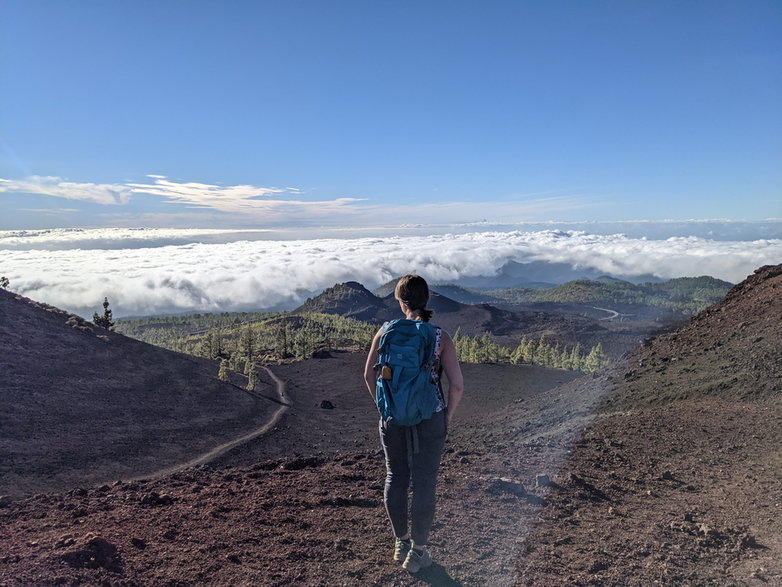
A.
x: 415, y: 464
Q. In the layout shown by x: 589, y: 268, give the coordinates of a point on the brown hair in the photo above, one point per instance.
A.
x: 414, y: 292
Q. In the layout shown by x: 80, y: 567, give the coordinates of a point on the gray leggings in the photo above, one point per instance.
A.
x: 412, y: 460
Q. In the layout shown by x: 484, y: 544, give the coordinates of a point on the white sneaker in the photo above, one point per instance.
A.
x: 417, y: 560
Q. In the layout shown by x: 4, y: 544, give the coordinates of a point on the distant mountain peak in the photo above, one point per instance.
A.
x: 352, y: 285
x: 349, y: 299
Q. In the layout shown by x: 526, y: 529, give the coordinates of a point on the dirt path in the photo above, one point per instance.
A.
x: 220, y: 450
x: 613, y: 313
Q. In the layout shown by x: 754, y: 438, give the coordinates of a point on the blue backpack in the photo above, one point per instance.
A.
x: 407, y: 391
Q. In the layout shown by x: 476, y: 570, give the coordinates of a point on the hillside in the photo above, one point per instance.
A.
x: 731, y: 350
x: 678, y: 481
x: 683, y: 294
x: 508, y: 326
x: 350, y: 299
x: 81, y: 403
x: 612, y: 479
x: 353, y: 300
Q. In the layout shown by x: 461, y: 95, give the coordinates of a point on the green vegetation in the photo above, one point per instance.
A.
x: 246, y: 339
x: 104, y: 321
x: 222, y: 374
x: 484, y: 349
x: 166, y: 331
x: 688, y: 294
x: 252, y: 376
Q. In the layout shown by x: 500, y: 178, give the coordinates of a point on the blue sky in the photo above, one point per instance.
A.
x: 367, y: 113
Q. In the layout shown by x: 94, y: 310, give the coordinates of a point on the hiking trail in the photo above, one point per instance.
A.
x: 220, y: 450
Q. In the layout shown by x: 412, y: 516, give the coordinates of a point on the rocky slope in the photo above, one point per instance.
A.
x: 678, y: 480
x: 610, y: 480
x: 731, y: 350
x: 79, y: 401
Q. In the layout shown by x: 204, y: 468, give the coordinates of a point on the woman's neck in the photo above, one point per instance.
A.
x: 412, y: 315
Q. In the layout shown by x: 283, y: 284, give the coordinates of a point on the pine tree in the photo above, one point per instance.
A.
x: 300, y: 345
x: 247, y: 343
x: 516, y: 357
x: 304, y: 342
x: 233, y: 351
x: 222, y: 374
x: 489, y: 352
x: 105, y: 320
x: 538, y: 351
x: 574, y: 362
x: 282, y: 341
x: 205, y: 349
x: 552, y: 355
x: 470, y: 350
x: 251, y: 379
x: 459, y: 343
x: 525, y: 350
x: 217, y: 343
x: 556, y: 357
x: 595, y: 360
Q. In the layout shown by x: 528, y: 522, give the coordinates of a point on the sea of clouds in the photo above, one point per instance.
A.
x: 154, y: 271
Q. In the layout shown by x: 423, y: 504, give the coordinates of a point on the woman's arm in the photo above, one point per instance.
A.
x: 370, y: 377
x: 453, y: 372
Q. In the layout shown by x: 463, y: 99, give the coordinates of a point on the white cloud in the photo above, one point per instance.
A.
x: 50, y: 211
x: 118, y: 238
x: 98, y: 193
x: 269, y: 204
x: 225, y: 198
x: 231, y: 274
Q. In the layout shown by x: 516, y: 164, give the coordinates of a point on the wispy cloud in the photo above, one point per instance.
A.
x: 222, y: 270
x: 267, y: 203
x: 251, y: 205
x: 234, y: 198
x: 99, y: 193
x: 52, y: 211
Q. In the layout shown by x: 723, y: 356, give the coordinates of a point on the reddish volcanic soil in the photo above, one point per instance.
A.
x: 666, y: 470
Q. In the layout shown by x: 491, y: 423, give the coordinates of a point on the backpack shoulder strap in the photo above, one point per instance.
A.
x: 433, y: 334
